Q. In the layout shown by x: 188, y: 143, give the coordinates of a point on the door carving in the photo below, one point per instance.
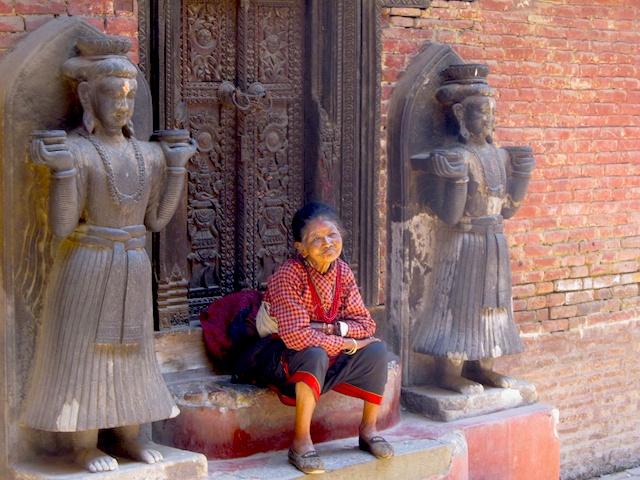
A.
x: 247, y: 178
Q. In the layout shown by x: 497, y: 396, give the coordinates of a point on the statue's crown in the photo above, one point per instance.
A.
x: 103, y: 46
x: 463, y: 80
x: 465, y: 73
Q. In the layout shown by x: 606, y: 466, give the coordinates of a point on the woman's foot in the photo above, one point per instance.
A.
x: 95, y: 460
x: 308, y: 462
x: 376, y: 446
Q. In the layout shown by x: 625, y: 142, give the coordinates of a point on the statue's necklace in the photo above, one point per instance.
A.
x: 494, y: 176
x: 116, y: 194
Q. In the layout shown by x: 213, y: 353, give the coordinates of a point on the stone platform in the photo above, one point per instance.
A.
x: 177, y: 465
x: 519, y: 443
x: 445, y: 405
x: 224, y: 420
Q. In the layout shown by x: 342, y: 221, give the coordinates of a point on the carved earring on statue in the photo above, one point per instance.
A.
x: 464, y: 133
x: 89, y: 121
x: 128, y: 130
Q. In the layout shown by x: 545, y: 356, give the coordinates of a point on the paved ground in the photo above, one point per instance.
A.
x: 633, y: 473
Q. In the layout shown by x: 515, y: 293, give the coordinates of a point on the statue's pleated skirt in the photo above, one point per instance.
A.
x: 469, y: 315
x: 77, y: 384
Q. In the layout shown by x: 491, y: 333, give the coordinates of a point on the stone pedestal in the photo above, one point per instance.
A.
x: 177, y: 464
x: 225, y: 420
x: 445, y: 405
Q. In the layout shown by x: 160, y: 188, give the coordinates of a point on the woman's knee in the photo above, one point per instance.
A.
x: 376, y: 353
x: 314, y: 357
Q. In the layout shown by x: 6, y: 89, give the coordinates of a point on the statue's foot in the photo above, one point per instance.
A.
x: 460, y: 384
x: 141, y: 451
x: 490, y: 378
x: 95, y: 460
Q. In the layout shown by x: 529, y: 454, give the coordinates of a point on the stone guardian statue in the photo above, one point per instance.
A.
x: 474, y: 186
x: 95, y: 366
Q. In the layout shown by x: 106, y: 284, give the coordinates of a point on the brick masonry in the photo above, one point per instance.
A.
x: 18, y: 17
x: 567, y: 75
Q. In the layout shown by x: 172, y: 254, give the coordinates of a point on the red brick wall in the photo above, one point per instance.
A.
x: 18, y: 17
x: 567, y: 74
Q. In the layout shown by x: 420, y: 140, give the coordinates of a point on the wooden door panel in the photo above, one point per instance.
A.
x: 247, y: 178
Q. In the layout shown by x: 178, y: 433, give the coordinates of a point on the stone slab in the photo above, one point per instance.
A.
x: 520, y: 443
x: 248, y: 420
x: 445, y: 405
x: 417, y: 457
x: 177, y: 465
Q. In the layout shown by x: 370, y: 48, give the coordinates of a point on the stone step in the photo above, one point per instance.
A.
x: 225, y: 420
x: 442, y: 458
x: 519, y: 443
x: 177, y: 465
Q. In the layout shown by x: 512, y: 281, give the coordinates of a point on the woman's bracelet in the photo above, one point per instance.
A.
x: 353, y: 350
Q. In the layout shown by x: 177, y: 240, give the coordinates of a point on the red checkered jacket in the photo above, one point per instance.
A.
x: 290, y: 303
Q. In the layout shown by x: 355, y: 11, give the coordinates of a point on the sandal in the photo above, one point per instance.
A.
x: 308, y: 462
x: 376, y: 446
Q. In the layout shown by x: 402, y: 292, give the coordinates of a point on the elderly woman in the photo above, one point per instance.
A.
x: 318, y: 336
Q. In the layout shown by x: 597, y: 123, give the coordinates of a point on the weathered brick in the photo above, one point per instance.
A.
x: 567, y: 285
x: 11, y: 24
x: 35, y: 21
x: 6, y: 7
x: 40, y: 6
x: 90, y: 7
x: 123, y: 6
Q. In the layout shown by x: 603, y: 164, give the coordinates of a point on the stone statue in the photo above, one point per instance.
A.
x: 95, y: 366
x: 473, y: 186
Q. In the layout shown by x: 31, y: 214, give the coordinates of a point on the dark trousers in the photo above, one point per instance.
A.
x: 362, y: 375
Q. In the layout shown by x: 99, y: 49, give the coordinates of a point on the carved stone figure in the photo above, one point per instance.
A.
x: 473, y: 186
x: 95, y: 366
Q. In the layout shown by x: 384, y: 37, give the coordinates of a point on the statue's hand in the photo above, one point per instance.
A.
x: 521, y: 159
x: 56, y: 156
x: 522, y: 165
x: 178, y: 154
x: 448, y: 164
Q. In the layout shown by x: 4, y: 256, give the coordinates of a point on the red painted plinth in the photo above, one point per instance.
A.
x: 516, y: 444
x: 259, y: 422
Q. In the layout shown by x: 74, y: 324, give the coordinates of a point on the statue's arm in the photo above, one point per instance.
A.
x: 66, y: 188
x: 519, y: 167
x: 168, y: 180
x: 451, y: 172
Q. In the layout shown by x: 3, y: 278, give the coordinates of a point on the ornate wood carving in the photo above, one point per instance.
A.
x: 315, y: 137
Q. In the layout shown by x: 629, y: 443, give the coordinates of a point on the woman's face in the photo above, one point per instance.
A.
x: 321, y: 243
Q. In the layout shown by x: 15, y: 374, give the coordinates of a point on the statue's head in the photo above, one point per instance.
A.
x: 106, y: 83
x: 465, y: 91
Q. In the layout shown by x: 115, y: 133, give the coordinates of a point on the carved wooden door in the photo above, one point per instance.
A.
x: 247, y: 178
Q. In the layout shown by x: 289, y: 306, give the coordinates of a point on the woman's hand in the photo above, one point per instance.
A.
x: 351, y: 345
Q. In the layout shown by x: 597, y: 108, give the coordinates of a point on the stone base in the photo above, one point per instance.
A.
x: 445, y: 405
x: 225, y: 420
x: 520, y: 443
x: 177, y: 465
x: 416, y: 458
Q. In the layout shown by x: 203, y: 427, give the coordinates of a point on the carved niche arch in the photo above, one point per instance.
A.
x: 415, y: 124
